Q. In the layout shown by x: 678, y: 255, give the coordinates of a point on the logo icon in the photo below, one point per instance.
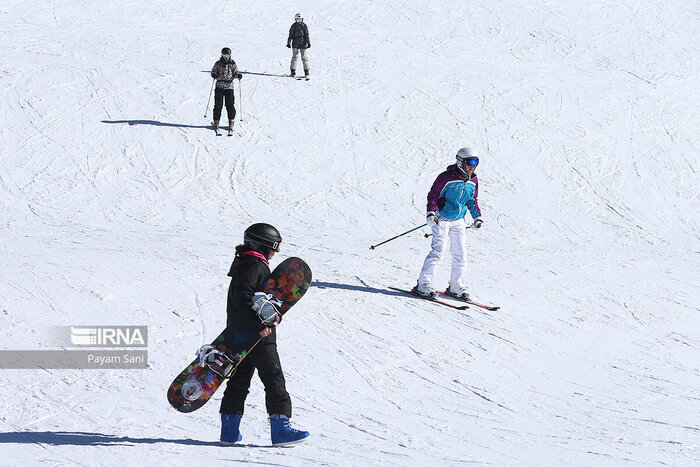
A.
x: 83, y: 336
x: 191, y: 390
x: 106, y: 336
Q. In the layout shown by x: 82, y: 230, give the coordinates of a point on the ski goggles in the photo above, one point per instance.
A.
x: 256, y: 240
x: 471, y: 161
x: 226, y: 56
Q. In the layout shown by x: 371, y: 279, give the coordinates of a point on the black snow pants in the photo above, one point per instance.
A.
x: 219, y: 96
x: 266, y: 360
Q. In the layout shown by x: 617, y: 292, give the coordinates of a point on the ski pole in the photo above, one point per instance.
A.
x: 394, y: 238
x: 240, y: 100
x: 209, y: 100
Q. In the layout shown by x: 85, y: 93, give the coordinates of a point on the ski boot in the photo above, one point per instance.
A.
x: 282, y: 434
x: 229, y: 429
x: 216, y: 127
x: 459, y: 292
x: 293, y: 72
x: 425, y: 291
x: 306, y: 74
x: 230, y: 128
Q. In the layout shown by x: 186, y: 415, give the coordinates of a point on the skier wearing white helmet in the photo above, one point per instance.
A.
x: 298, y: 40
x: 452, y: 195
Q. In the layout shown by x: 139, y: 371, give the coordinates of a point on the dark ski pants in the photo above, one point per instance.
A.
x: 219, y: 96
x: 266, y: 360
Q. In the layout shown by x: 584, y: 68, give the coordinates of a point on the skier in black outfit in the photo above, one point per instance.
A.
x: 251, y: 310
x: 224, y: 72
x: 298, y: 40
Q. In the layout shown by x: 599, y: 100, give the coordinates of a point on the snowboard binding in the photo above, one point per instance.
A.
x: 217, y: 361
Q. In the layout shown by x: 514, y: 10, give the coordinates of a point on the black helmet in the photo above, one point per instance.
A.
x: 226, y: 51
x: 262, y: 237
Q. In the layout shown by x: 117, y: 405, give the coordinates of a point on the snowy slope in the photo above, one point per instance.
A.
x: 120, y: 206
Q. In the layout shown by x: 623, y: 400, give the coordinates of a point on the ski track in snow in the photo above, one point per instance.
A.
x: 120, y: 206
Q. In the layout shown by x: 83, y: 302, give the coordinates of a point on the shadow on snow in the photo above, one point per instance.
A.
x: 256, y: 74
x: 156, y: 123
x: 69, y: 438
x: 356, y: 288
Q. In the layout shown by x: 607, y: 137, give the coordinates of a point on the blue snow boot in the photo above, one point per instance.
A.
x: 282, y: 434
x: 229, y: 428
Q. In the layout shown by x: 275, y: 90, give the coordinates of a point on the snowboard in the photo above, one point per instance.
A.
x: 195, y: 385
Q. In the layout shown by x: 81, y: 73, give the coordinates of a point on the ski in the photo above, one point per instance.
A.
x: 480, y: 305
x: 440, y: 302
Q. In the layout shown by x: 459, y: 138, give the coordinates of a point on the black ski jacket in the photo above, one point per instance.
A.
x: 299, y: 36
x: 248, y: 275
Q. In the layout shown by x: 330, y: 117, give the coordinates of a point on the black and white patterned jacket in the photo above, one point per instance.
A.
x: 224, y: 72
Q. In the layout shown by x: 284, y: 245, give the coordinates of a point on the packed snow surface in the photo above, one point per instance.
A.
x: 119, y: 206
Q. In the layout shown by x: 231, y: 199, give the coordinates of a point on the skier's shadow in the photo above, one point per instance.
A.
x: 77, y: 438
x: 256, y: 74
x: 355, y: 288
x: 156, y: 123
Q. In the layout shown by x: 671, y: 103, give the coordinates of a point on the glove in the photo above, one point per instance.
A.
x: 239, y: 76
x: 431, y: 219
x: 266, y: 307
x: 308, y: 46
x: 477, y: 223
x: 213, y: 75
x: 289, y: 46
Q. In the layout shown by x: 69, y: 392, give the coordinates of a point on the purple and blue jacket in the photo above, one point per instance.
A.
x: 451, y: 196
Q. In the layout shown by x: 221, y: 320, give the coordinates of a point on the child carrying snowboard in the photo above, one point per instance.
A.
x: 250, y: 310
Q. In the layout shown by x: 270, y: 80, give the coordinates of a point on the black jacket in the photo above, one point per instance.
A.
x: 248, y: 275
x: 299, y: 36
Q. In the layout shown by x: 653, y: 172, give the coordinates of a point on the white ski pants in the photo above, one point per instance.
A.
x: 455, y: 232
x: 304, y: 59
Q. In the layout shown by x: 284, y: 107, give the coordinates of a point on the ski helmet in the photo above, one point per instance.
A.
x: 262, y: 237
x: 298, y: 17
x: 466, y: 157
x: 226, y: 52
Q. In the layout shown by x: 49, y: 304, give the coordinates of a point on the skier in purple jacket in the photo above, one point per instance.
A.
x: 453, y: 194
